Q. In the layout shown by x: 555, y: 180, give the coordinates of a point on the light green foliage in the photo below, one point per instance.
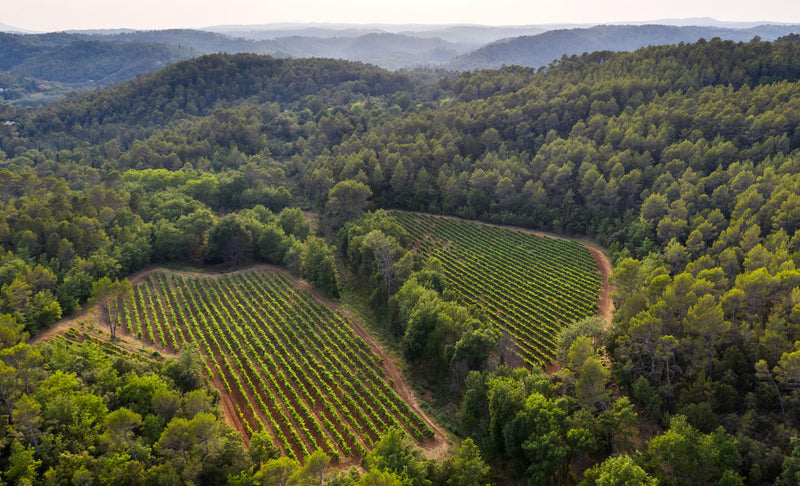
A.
x: 22, y: 465
x: 379, y: 478
x: 395, y: 453
x: 317, y: 266
x: 467, y: 467
x: 618, y: 470
x: 683, y: 455
x: 109, y: 295
x: 261, y: 448
x: 277, y: 472
x: 590, y: 389
x: 293, y: 222
x: 591, y: 327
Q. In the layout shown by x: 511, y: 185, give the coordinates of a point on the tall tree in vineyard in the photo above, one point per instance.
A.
x: 110, y: 296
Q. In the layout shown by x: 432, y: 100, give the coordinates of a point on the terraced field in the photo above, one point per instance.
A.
x: 529, y: 286
x: 72, y: 337
x: 289, y: 365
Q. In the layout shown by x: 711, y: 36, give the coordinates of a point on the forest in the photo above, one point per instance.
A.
x: 682, y: 160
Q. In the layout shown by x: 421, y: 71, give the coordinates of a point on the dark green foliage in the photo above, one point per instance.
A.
x: 199, y: 86
x: 521, y: 417
x: 75, y: 415
x: 187, y: 371
x: 683, y: 160
x: 683, y: 455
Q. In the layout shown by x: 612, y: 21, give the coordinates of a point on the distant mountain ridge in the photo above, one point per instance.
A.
x: 90, y: 59
x: 542, y: 49
x: 82, y: 59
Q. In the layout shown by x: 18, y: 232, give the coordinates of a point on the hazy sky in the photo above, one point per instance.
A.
x: 53, y: 15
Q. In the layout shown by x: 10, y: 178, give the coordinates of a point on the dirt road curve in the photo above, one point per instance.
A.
x: 605, y: 306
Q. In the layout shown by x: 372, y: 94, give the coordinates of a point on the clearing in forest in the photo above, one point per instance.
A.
x: 527, y: 285
x: 284, y: 362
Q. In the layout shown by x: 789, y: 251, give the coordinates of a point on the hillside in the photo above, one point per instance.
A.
x: 69, y: 61
x: 203, y: 85
x: 272, y: 350
x: 62, y: 63
x: 682, y: 161
x: 542, y: 49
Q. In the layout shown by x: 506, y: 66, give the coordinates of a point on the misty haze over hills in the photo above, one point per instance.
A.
x: 31, y: 64
x: 541, y: 49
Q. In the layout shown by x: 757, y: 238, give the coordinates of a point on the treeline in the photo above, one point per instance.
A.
x: 62, y: 234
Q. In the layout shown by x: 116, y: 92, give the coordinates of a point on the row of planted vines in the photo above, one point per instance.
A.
x: 292, y: 366
x: 527, y: 285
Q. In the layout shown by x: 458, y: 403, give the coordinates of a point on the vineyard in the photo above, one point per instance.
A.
x: 292, y: 366
x: 528, y: 286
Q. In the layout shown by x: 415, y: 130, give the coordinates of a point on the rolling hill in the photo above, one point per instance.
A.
x: 542, y: 49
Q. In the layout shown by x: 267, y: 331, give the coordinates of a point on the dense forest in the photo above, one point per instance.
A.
x: 682, y: 160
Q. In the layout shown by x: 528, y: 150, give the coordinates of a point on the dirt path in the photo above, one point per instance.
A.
x: 63, y: 326
x: 605, y: 305
x: 232, y: 418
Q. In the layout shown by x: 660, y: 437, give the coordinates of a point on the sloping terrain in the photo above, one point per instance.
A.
x: 286, y: 362
x: 528, y: 286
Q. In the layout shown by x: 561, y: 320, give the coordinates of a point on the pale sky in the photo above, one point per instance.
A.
x: 56, y: 15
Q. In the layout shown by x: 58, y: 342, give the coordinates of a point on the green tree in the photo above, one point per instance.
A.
x: 395, y: 453
x: 347, y: 200
x: 619, y: 470
x: 262, y: 449
x: 119, y: 426
x: 683, y: 455
x: 386, y: 252
x: 467, y: 467
x: 110, y: 296
x: 318, y: 267
x: 277, y: 472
